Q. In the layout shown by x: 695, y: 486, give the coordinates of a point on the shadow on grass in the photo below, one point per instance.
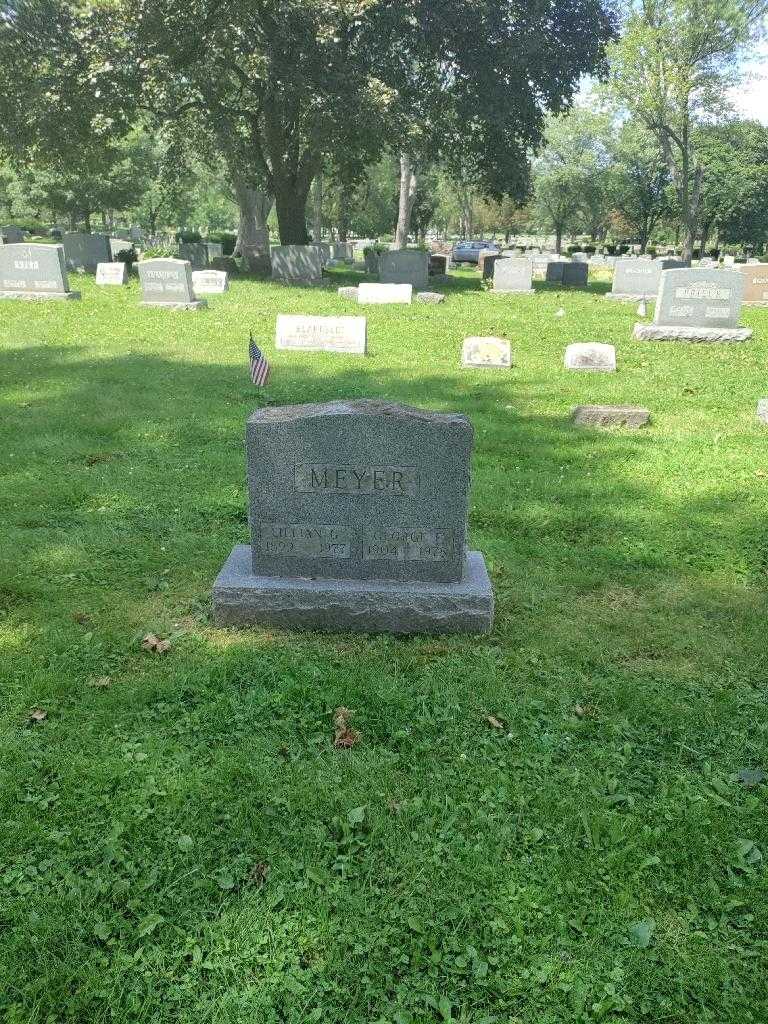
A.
x: 150, y: 814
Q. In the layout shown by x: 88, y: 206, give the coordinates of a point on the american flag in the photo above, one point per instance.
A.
x: 259, y: 364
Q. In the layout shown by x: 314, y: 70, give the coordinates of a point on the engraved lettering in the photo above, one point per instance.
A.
x: 406, y: 544
x: 333, y: 479
x: 306, y: 541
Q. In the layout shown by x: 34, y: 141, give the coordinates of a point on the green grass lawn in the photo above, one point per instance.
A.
x: 180, y: 841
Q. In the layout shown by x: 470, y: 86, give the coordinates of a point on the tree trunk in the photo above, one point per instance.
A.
x: 291, y: 203
x: 72, y: 220
x: 407, y: 198
x: 558, y: 239
x: 317, y: 208
x: 87, y: 219
x: 253, y: 207
x: 343, y: 213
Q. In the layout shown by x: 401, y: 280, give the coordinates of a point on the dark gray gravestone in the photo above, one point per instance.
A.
x: 168, y: 283
x: 438, y: 264
x: 358, y: 518
x: 297, y: 264
x: 84, y: 252
x: 30, y: 271
x: 195, y: 252
x: 512, y: 275
x: 570, y: 275
x: 405, y: 266
x: 11, y: 234
x: 697, y: 305
x: 487, y: 263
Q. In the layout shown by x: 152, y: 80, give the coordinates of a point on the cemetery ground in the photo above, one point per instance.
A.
x: 563, y: 821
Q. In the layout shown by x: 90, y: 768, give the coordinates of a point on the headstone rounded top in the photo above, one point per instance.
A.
x: 358, y: 407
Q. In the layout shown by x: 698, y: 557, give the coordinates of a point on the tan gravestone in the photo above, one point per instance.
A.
x: 755, y: 284
x: 345, y: 334
x: 490, y: 353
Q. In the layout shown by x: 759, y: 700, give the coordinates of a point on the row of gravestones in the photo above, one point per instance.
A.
x: 35, y: 271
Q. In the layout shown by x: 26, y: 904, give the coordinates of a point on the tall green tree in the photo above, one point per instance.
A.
x: 672, y: 69
x: 639, y: 188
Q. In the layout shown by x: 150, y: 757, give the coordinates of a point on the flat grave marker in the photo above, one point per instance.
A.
x: 486, y: 353
x: 344, y: 334
x: 384, y: 294
x: 591, y: 355
x: 755, y: 283
x: 631, y: 416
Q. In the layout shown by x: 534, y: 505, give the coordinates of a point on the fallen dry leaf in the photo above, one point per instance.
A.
x: 81, y: 618
x: 584, y: 710
x: 102, y: 681
x: 258, y: 874
x: 344, y: 735
x: 760, y: 472
x: 495, y: 723
x: 93, y: 460
x: 38, y: 715
x: 153, y: 643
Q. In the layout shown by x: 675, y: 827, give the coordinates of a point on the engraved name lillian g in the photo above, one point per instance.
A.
x: 393, y: 481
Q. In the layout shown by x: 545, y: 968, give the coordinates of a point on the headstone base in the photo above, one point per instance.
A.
x: 628, y: 297
x: 755, y: 302
x: 192, y: 306
x: 40, y: 296
x: 658, y: 332
x: 513, y: 291
x: 632, y: 416
x: 357, y: 606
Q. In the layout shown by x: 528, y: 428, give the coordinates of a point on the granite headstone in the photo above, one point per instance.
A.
x: 297, y: 264
x: 168, y: 283
x: 513, y: 275
x: 358, y: 520
x: 697, y: 305
x: 384, y: 294
x: 34, y: 271
x: 84, y: 251
x: 209, y: 282
x: 755, y: 284
x: 405, y: 266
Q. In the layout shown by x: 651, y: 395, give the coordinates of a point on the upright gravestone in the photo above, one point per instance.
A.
x: 84, y: 252
x: 112, y: 273
x: 11, y: 234
x: 324, y: 249
x: 168, y: 283
x: 118, y: 245
x: 755, y: 283
x: 196, y: 254
x: 438, y: 264
x: 405, y: 266
x: 29, y: 271
x: 639, y: 279
x: 358, y: 520
x: 297, y: 264
x: 209, y: 282
x: 346, y: 334
x: 256, y: 253
x: 487, y: 264
x: 513, y: 275
x: 569, y: 275
x: 697, y: 305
